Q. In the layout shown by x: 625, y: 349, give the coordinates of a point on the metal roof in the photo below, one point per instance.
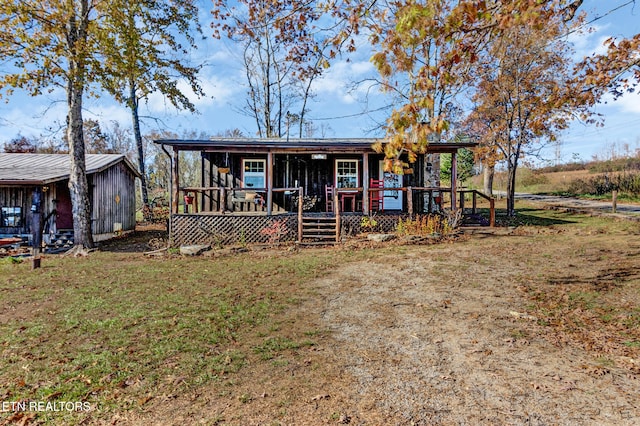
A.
x: 41, y: 169
x: 255, y: 145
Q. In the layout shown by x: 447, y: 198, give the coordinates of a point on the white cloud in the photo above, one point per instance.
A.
x: 586, y: 43
x: 105, y: 111
x: 31, y: 116
x: 218, y: 91
x: 629, y: 103
x: 338, y: 79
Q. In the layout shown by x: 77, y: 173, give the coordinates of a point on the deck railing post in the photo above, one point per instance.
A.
x: 300, y: 205
x: 223, y: 199
x: 410, y: 201
x: 336, y: 205
x: 475, y: 202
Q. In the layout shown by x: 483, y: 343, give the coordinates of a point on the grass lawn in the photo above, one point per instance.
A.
x: 115, y: 330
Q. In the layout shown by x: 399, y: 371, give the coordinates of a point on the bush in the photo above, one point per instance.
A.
x: 423, y: 225
x: 626, y: 183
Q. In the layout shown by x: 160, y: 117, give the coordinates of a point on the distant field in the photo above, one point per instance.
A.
x: 574, y: 182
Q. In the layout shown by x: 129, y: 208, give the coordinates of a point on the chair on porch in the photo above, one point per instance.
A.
x: 329, y: 198
x: 376, y: 198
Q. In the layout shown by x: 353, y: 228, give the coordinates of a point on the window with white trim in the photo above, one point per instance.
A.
x: 11, y: 217
x: 254, y: 175
x: 346, y: 173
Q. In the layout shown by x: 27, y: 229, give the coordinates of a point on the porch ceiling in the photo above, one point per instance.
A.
x: 249, y: 145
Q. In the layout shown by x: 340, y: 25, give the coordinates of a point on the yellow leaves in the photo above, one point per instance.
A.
x: 379, y: 61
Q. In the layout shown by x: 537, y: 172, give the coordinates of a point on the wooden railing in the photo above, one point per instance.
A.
x: 441, y: 200
x: 474, y: 209
x: 258, y: 196
x: 436, y: 199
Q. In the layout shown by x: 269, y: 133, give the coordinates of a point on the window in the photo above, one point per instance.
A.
x: 254, y: 173
x: 346, y: 173
x: 11, y: 217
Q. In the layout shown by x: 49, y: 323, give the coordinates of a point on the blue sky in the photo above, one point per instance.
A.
x: 337, y: 111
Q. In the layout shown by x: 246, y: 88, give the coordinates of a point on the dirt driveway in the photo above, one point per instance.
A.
x: 533, y: 326
x: 441, y: 336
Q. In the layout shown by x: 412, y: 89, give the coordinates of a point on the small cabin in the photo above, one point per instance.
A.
x: 111, y: 179
x: 252, y: 188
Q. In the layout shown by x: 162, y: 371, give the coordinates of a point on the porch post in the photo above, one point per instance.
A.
x: 300, y: 211
x: 365, y: 183
x: 454, y: 180
x: 269, y: 183
x: 175, y: 181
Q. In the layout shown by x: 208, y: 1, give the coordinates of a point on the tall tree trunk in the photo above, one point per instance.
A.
x: 78, y: 186
x: 511, y: 187
x: 135, y: 118
x: 489, y: 172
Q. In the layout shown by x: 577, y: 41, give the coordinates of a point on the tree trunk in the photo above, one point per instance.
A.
x: 488, y: 179
x: 133, y: 105
x: 78, y: 186
x: 511, y: 188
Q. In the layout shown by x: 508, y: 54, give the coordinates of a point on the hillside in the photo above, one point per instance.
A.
x: 596, y: 179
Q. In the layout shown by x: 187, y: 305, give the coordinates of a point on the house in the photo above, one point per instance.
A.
x: 111, y: 179
x: 249, y: 186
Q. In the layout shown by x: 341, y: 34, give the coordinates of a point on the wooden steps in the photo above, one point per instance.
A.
x: 318, y: 230
x: 61, y: 241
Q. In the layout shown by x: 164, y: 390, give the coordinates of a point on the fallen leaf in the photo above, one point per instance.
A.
x: 319, y: 397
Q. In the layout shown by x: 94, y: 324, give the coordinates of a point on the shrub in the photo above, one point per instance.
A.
x: 627, y: 183
x: 276, y: 231
x: 423, y: 225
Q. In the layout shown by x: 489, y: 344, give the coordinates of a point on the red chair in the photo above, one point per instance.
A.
x: 329, y: 198
x: 376, y: 198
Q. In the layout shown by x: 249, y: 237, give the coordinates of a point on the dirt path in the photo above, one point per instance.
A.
x: 442, y: 335
x: 433, y: 342
x: 578, y: 203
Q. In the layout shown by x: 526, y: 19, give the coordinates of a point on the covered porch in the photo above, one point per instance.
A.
x: 277, y: 178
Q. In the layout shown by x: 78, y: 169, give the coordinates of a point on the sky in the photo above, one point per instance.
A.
x: 336, y: 110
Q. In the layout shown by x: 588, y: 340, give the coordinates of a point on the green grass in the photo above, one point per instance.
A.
x: 110, y: 329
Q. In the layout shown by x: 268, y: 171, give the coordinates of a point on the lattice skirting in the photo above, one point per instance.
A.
x: 189, y: 229
x: 203, y: 229
x: 352, y: 224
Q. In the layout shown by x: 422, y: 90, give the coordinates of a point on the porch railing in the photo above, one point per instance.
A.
x: 224, y: 192
x: 436, y: 198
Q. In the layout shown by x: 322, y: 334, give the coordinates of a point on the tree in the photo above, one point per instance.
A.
x: 286, y: 45
x: 616, y: 71
x: 425, y: 45
x: 55, y: 44
x: 465, y: 163
x: 422, y: 65
x: 525, y: 95
x: 21, y: 144
x: 146, y: 49
x: 95, y: 139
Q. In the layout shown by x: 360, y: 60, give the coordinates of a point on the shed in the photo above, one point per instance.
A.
x: 111, y: 179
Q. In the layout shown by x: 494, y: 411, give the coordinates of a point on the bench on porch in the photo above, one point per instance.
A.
x: 247, y: 196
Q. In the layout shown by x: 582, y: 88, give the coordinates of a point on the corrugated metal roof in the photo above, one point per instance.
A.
x: 39, y: 169
x: 294, y: 145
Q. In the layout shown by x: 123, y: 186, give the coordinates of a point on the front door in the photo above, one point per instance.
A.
x: 392, y: 198
x: 64, y: 213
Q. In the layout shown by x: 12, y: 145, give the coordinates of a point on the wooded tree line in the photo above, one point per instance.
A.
x: 508, y: 62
